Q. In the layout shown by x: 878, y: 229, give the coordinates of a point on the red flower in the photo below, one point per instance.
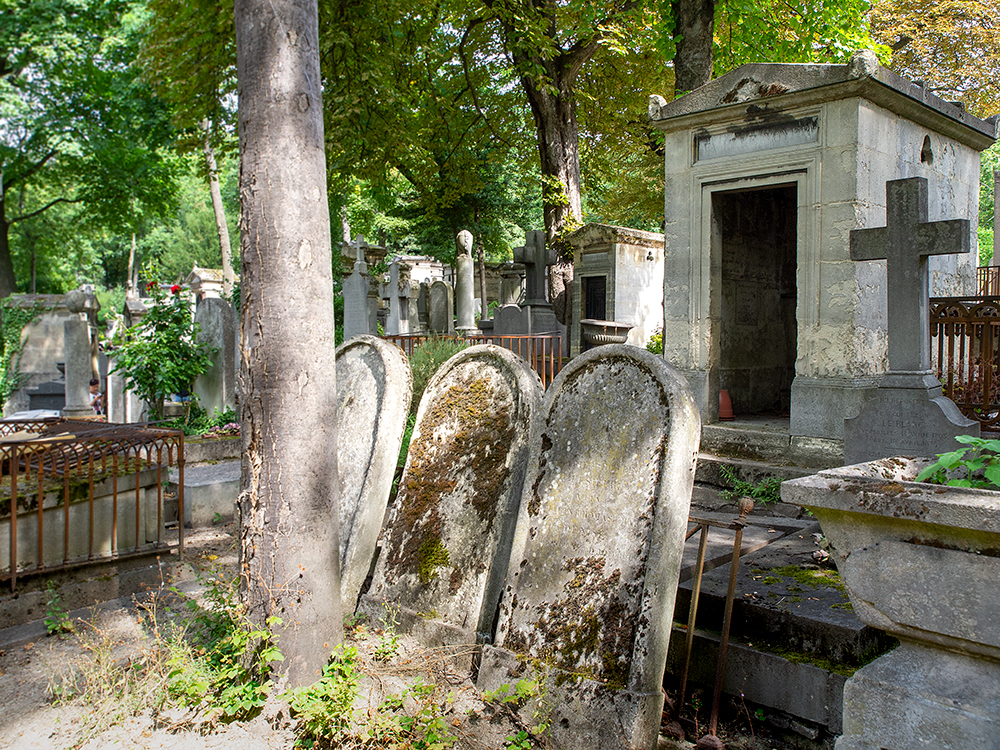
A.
x: 150, y: 286
x: 175, y: 289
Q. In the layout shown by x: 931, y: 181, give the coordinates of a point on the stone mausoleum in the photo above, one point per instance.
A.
x: 617, y: 275
x: 768, y: 169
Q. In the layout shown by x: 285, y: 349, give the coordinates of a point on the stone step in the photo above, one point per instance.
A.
x: 782, y: 600
x: 210, y: 493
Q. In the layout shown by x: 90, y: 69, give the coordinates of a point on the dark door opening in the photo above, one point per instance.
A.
x: 595, y: 297
x: 754, y: 234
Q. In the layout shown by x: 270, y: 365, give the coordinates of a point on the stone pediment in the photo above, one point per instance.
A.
x: 604, y: 234
x: 762, y: 90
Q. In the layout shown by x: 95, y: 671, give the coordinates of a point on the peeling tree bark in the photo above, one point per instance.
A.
x: 289, y: 549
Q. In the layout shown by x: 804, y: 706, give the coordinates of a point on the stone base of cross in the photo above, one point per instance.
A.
x: 909, y: 415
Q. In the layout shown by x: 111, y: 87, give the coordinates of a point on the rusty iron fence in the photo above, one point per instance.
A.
x: 701, y: 526
x: 542, y: 351
x: 989, y: 281
x: 965, y: 354
x: 51, y: 470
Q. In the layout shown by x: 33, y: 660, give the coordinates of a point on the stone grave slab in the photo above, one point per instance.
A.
x: 441, y: 318
x: 597, y: 551
x: 446, y: 546
x: 373, y: 398
x: 219, y: 330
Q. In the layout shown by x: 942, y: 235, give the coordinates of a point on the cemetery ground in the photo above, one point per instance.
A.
x: 104, y: 684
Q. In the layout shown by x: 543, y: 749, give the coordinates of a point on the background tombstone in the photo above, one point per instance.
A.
x: 447, y: 543
x: 424, y: 306
x: 357, y: 288
x: 373, y: 398
x: 442, y: 307
x: 413, y: 308
x: 465, y: 284
x: 908, y: 415
x: 79, y: 360
x: 597, y: 551
x: 397, y: 291
x: 124, y: 406
x: 216, y: 388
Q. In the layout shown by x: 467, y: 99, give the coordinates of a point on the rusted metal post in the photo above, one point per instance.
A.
x: 180, y: 496
x: 693, y: 610
x: 13, y: 516
x: 744, y: 506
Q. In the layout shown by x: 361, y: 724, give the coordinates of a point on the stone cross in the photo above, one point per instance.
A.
x: 359, y: 254
x: 904, y: 243
x: 536, y: 258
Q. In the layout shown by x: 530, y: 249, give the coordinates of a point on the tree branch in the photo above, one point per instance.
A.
x: 468, y: 80
x: 30, y: 170
x: 43, y: 209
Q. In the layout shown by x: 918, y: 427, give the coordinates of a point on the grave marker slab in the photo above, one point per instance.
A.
x: 373, y: 398
x: 597, y: 550
x: 358, y: 313
x: 442, y: 308
x: 446, y: 546
x: 909, y: 415
x: 216, y: 388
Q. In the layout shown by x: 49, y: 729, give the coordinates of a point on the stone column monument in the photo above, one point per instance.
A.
x: 79, y: 364
x: 909, y: 414
x: 465, y: 290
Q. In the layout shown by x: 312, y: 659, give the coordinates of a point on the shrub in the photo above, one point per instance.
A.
x: 426, y: 359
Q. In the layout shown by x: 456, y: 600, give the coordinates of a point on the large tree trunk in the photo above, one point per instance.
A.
x: 228, y: 279
x: 558, y: 153
x: 693, y: 56
x: 8, y: 284
x: 289, y: 549
x: 559, y: 156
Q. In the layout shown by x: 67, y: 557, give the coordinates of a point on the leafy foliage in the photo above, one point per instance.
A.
x: 426, y: 359
x: 79, y: 126
x: 766, y: 491
x: 13, y: 320
x: 976, y: 465
x: 160, y: 355
x: 953, y: 46
x: 229, y: 665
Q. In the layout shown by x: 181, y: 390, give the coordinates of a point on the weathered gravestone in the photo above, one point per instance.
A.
x: 397, y: 291
x: 442, y: 308
x: 217, y: 328
x: 373, y: 399
x: 359, y: 312
x: 446, y: 546
x: 465, y: 285
x: 908, y: 415
x: 587, y: 606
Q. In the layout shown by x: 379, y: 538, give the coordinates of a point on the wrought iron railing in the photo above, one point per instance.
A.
x: 542, y: 351
x: 989, y: 281
x: 51, y: 470
x: 965, y: 352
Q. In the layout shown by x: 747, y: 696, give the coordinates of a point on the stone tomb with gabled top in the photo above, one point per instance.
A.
x: 768, y: 170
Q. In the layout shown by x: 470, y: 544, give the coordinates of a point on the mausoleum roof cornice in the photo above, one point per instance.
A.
x: 760, y: 91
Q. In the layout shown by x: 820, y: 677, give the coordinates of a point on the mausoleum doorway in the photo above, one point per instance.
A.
x: 753, y: 244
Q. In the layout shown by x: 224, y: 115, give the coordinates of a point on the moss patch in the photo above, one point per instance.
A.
x: 432, y: 556
x: 466, y: 432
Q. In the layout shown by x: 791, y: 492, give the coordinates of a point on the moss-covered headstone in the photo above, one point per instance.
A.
x: 586, y: 610
x: 446, y: 546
